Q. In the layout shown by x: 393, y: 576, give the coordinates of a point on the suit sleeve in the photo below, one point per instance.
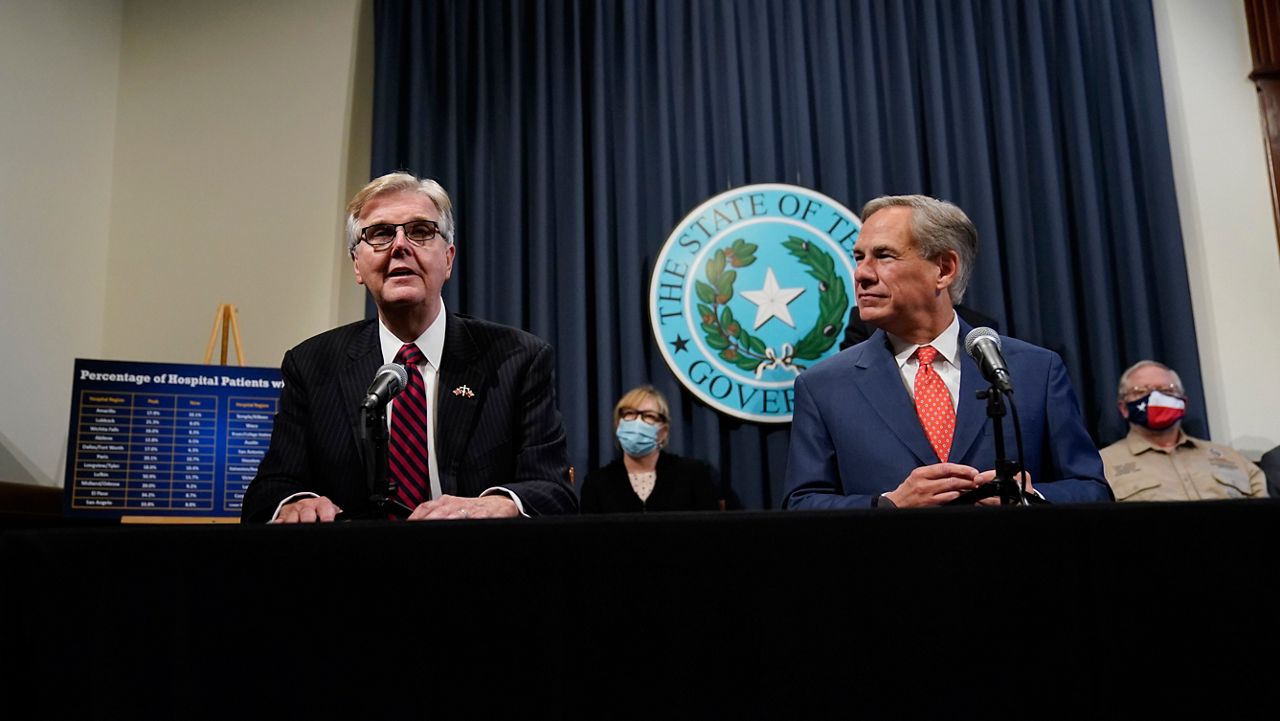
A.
x: 283, y: 471
x: 813, y: 478
x: 542, y: 462
x: 1072, y: 456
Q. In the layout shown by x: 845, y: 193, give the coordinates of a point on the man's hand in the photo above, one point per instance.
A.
x: 308, y: 510
x: 934, y: 485
x: 989, y: 476
x: 446, y: 507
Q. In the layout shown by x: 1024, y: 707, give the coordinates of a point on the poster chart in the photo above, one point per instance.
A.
x: 157, y: 441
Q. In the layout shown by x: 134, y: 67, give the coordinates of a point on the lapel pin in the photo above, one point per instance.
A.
x: 464, y: 391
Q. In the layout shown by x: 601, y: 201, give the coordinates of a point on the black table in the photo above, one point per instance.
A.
x: 1098, y: 611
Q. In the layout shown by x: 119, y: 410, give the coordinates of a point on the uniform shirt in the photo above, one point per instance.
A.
x: 1193, y: 470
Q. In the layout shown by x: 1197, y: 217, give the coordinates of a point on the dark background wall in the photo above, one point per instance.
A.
x: 573, y: 135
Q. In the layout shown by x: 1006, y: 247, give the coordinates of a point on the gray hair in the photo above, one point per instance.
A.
x: 936, y: 227
x: 1124, y: 384
x: 399, y: 183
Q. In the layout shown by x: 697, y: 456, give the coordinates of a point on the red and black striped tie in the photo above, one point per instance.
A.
x: 407, y: 449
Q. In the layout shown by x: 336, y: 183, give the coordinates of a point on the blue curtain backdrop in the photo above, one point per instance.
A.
x: 574, y: 134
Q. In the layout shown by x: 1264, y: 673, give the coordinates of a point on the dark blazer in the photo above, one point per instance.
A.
x: 855, y: 433
x: 1270, y: 465
x: 683, y: 484
x: 509, y: 433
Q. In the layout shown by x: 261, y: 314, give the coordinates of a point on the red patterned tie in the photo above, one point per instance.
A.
x: 933, y: 403
x: 407, y: 449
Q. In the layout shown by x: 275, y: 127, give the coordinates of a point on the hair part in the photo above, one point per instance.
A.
x: 1125, y: 384
x: 937, y: 226
x: 399, y: 182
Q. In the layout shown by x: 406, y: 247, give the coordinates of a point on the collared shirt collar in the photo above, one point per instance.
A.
x: 1139, y: 443
x: 431, y: 342
x: 947, y: 344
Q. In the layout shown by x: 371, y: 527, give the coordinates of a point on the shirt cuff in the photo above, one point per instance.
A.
x: 509, y: 494
x: 291, y: 499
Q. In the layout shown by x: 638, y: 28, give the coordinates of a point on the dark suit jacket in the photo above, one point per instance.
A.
x: 1270, y: 465
x: 855, y: 433
x: 683, y: 484
x: 508, y: 434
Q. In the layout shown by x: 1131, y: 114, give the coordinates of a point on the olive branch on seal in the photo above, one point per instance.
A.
x: 735, y: 344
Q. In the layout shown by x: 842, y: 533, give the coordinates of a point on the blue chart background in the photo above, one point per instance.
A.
x: 215, y: 479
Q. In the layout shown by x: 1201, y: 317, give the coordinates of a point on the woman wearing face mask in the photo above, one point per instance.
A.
x: 646, y: 478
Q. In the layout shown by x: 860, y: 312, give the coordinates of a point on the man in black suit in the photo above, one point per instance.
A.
x: 479, y: 434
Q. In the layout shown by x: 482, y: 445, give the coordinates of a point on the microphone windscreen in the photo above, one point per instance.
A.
x: 977, y: 334
x: 402, y: 375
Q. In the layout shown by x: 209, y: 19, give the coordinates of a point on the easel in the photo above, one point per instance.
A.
x: 225, y: 317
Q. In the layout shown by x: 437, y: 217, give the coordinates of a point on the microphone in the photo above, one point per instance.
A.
x: 983, y: 346
x: 389, y: 381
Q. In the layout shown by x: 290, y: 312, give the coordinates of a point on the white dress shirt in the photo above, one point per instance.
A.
x: 947, y: 364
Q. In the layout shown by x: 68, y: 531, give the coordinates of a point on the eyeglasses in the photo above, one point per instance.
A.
x: 1136, y: 392
x: 418, y: 232
x: 650, y: 417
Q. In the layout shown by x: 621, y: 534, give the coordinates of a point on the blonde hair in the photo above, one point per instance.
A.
x: 634, y: 397
x: 398, y: 183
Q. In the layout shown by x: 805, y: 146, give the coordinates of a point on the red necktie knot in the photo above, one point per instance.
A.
x: 410, y: 355
x: 926, y: 354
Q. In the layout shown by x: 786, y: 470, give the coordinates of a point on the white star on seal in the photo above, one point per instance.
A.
x: 772, y: 301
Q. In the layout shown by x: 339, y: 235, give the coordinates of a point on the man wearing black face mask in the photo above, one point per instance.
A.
x: 1157, y: 461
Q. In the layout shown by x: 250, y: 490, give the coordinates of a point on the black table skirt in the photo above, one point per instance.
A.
x: 1100, y: 611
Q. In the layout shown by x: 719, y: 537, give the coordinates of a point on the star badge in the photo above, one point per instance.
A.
x: 772, y: 300
x: 464, y: 391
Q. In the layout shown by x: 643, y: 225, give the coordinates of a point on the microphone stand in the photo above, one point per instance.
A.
x: 382, y: 486
x: 1005, y: 484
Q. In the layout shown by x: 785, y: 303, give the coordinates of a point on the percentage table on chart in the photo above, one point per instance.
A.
x: 156, y: 452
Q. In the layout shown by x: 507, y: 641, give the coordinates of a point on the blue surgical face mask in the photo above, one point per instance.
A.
x: 637, y: 438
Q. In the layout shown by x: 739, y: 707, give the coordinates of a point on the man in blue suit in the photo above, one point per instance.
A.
x: 894, y: 420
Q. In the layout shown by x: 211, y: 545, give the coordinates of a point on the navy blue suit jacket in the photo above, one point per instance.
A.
x: 855, y: 433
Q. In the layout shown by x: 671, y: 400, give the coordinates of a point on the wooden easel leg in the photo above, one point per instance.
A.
x: 235, y: 332
x: 226, y: 318
x: 213, y: 335
x: 226, y: 329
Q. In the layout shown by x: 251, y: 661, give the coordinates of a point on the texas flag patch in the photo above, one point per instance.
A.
x: 1164, y: 410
